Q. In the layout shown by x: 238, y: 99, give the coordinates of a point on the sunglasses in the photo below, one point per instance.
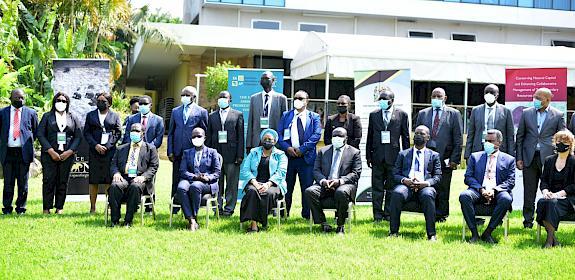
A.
x: 62, y: 101
x: 299, y: 98
x: 198, y: 136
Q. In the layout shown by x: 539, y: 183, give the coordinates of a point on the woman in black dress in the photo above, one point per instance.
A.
x: 102, y: 130
x: 59, y: 134
x: 557, y: 186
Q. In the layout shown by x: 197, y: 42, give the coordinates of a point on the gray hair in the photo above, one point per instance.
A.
x: 497, y: 133
x: 190, y: 89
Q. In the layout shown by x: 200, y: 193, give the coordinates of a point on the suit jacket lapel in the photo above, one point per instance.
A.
x: 141, y: 156
x: 329, y: 154
x: 442, y: 118
x: 481, y: 167
x: 549, y: 115
x: 308, y: 122
x: 426, y: 158
x: 409, y: 160
x: 219, y: 120
x: 481, y: 116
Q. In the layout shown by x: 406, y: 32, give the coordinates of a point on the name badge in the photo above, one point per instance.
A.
x: 483, y: 136
x: 385, y: 137
x: 265, y: 122
x: 132, y: 172
x: 287, y: 134
x: 222, y: 137
x: 61, y: 138
x: 105, y: 138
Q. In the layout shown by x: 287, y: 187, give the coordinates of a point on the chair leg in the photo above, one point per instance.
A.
x: 216, y: 206
x: 350, y: 209
x: 463, y: 230
x: 311, y: 223
x: 207, y: 216
x: 171, y: 212
x: 106, y: 205
x: 354, y: 213
x: 153, y: 207
x: 278, y: 215
x: 142, y: 205
x: 538, y: 232
x: 506, y: 225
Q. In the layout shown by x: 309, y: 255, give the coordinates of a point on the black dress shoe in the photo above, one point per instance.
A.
x: 473, y: 239
x: 527, y: 224
x: 393, y: 234
x: 377, y: 220
x: 128, y: 225
x: 340, y: 230
x: 440, y: 219
x: 488, y: 239
x: 114, y: 224
x: 326, y: 228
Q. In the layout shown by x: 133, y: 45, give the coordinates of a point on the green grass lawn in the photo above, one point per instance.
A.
x: 78, y: 245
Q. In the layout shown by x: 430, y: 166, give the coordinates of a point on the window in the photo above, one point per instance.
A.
x: 492, y: 2
x: 561, y: 5
x: 543, y: 4
x: 525, y: 3
x: 420, y: 34
x: 317, y: 27
x: 558, y: 43
x: 463, y: 37
x: 266, y: 24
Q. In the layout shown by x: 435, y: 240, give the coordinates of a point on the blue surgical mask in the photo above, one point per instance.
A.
x: 384, y: 104
x: 223, y: 103
x: 537, y: 104
x: 338, y: 142
x: 436, y: 103
x: 489, y: 148
x: 136, y: 137
x: 186, y: 100
x: 144, y: 109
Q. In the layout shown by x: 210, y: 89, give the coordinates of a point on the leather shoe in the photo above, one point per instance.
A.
x: 340, y: 230
x: 393, y: 235
x: 473, y: 239
x: 432, y: 238
x: 325, y: 228
x: 488, y: 239
x: 127, y: 225
x: 527, y: 225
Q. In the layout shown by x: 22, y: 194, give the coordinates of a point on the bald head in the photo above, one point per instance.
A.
x: 339, y: 132
x: 491, y: 88
x: 438, y: 92
x: 544, y: 95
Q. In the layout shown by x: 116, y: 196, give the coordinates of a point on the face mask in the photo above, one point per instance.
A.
x: 436, y: 103
x: 342, y: 109
x: 102, y: 105
x: 489, y: 98
x: 561, y: 148
x: 223, y: 103
x: 198, y: 142
x: 60, y: 107
x: 136, y: 137
x: 268, y: 144
x: 186, y: 100
x: 298, y: 104
x: 418, y: 140
x: 144, y: 109
x: 338, y: 142
x: 489, y: 148
x: 537, y: 104
x: 18, y: 103
x: 384, y: 104
x: 266, y: 83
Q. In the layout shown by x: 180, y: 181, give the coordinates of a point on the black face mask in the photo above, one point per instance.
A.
x: 266, y: 83
x: 561, y: 148
x: 418, y: 140
x: 342, y: 109
x: 268, y: 145
x: 18, y: 104
x: 102, y: 105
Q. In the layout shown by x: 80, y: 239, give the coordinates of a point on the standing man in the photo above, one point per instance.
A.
x: 387, y: 128
x: 490, y: 115
x: 134, y: 108
x: 535, y: 133
x: 183, y: 120
x: 446, y: 138
x: 226, y: 135
x: 18, y: 125
x: 266, y: 109
x: 343, y: 118
x: 299, y: 132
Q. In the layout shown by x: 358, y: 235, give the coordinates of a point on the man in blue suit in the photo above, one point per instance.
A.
x: 417, y: 173
x: 199, y: 173
x: 182, y: 122
x: 152, y: 123
x: 18, y: 125
x: 299, y: 131
x: 490, y: 176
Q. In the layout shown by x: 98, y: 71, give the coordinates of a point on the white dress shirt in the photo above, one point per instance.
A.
x: 337, y: 165
x: 490, y: 179
x: 61, y: 120
x: 418, y: 173
x: 224, y: 116
x: 271, y: 93
x: 11, y: 141
x: 293, y: 127
x: 493, y: 109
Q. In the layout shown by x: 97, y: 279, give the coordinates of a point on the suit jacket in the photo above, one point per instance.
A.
x: 528, y: 135
x: 572, y: 124
x: 398, y: 126
x: 278, y: 107
x: 504, y: 171
x: 312, y: 134
x: 180, y: 133
x: 210, y: 165
x: 503, y: 123
x: 148, y: 163
x: 278, y: 167
x: 233, y: 150
x: 28, y: 127
x: 93, y: 130
x: 431, y: 162
x: 48, y: 132
x: 154, y: 133
x: 352, y: 126
x: 567, y: 183
x: 349, y: 167
x: 449, y: 137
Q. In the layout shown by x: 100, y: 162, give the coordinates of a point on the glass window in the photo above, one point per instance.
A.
x: 558, y: 43
x: 420, y: 34
x: 463, y: 37
x: 544, y: 4
x: 561, y: 4
x: 317, y: 27
x: 254, y: 2
x: 470, y: 1
x: 508, y: 2
x: 526, y: 3
x: 452, y: 0
x: 231, y: 1
x: 492, y: 2
x: 279, y: 3
x: 572, y: 5
x: 266, y: 24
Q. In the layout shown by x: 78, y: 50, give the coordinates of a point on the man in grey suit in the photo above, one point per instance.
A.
x: 490, y: 115
x: 536, y: 128
x: 226, y: 135
x: 446, y: 127
x: 266, y: 110
x: 336, y: 172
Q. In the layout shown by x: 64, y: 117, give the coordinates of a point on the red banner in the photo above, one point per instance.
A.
x: 520, y: 84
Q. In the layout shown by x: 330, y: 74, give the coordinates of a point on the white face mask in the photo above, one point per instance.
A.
x: 489, y: 98
x: 60, y: 107
x: 198, y: 142
x: 298, y: 104
x: 338, y: 142
x: 186, y: 100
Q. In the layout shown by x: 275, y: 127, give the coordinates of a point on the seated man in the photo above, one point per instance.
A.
x: 490, y: 176
x: 417, y: 171
x: 336, y: 172
x: 134, y: 166
x: 199, y: 173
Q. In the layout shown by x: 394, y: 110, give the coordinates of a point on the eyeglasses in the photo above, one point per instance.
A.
x: 299, y: 98
x: 62, y: 101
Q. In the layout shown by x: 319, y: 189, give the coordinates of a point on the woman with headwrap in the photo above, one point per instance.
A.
x: 263, y: 174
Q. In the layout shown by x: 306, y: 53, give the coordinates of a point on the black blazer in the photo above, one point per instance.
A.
x: 48, y: 132
x: 28, y: 130
x: 349, y: 167
x: 148, y: 163
x: 378, y: 153
x: 93, y: 130
x: 352, y: 125
x: 450, y: 135
x: 233, y: 150
x: 568, y: 182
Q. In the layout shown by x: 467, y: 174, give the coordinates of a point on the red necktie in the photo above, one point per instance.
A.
x: 144, y: 121
x: 16, y: 125
x: 435, y: 128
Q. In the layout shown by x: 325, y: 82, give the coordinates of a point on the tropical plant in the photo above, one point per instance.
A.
x: 217, y: 79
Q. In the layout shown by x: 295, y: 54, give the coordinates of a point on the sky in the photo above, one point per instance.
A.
x: 174, y: 7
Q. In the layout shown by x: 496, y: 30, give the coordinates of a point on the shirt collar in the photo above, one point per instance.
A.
x: 138, y: 145
x: 14, y: 108
x: 415, y: 149
x: 303, y: 113
x: 390, y: 109
x: 268, y: 93
x: 492, y: 107
x: 225, y: 110
x: 546, y: 109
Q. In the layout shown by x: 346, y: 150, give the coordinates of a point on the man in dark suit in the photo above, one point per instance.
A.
x: 535, y: 133
x: 446, y: 127
x: 336, y: 172
x: 226, y: 135
x: 490, y: 115
x: 388, y: 128
x: 18, y: 125
x: 184, y: 119
x: 266, y: 110
x: 152, y: 123
x: 199, y: 174
x: 299, y: 132
x: 345, y: 119
x: 134, y: 166
x: 490, y: 176
x: 417, y: 172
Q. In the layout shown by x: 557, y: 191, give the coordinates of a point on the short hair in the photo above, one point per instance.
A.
x: 491, y: 88
x: 544, y: 90
x: 106, y: 95
x: 304, y: 92
x: 269, y: 73
x: 14, y: 91
x: 56, y: 98
x: 423, y: 127
x: 566, y: 137
x: 137, y: 125
x: 346, y: 97
x: 134, y: 99
x: 192, y: 90
x: 144, y: 98
x: 497, y: 133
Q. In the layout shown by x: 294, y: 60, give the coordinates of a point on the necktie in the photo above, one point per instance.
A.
x: 435, y: 124
x: 16, y: 124
x: 300, y: 130
x: 144, y: 121
x: 132, y: 162
x: 491, y: 167
x: 417, y: 164
x: 267, y: 97
x: 490, y: 119
x: 186, y: 108
x: 333, y: 171
x: 197, y: 159
x: 386, y: 119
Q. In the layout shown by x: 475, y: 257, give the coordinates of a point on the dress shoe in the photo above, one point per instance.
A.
x: 59, y: 211
x: 440, y: 219
x: 325, y: 228
x: 46, y: 212
x: 393, y: 235
x: 377, y: 220
x: 479, y: 221
x: 488, y: 239
x: 340, y: 230
x: 128, y: 225
x: 527, y: 225
x: 193, y: 226
x: 473, y: 239
x: 432, y: 238
x: 114, y: 224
